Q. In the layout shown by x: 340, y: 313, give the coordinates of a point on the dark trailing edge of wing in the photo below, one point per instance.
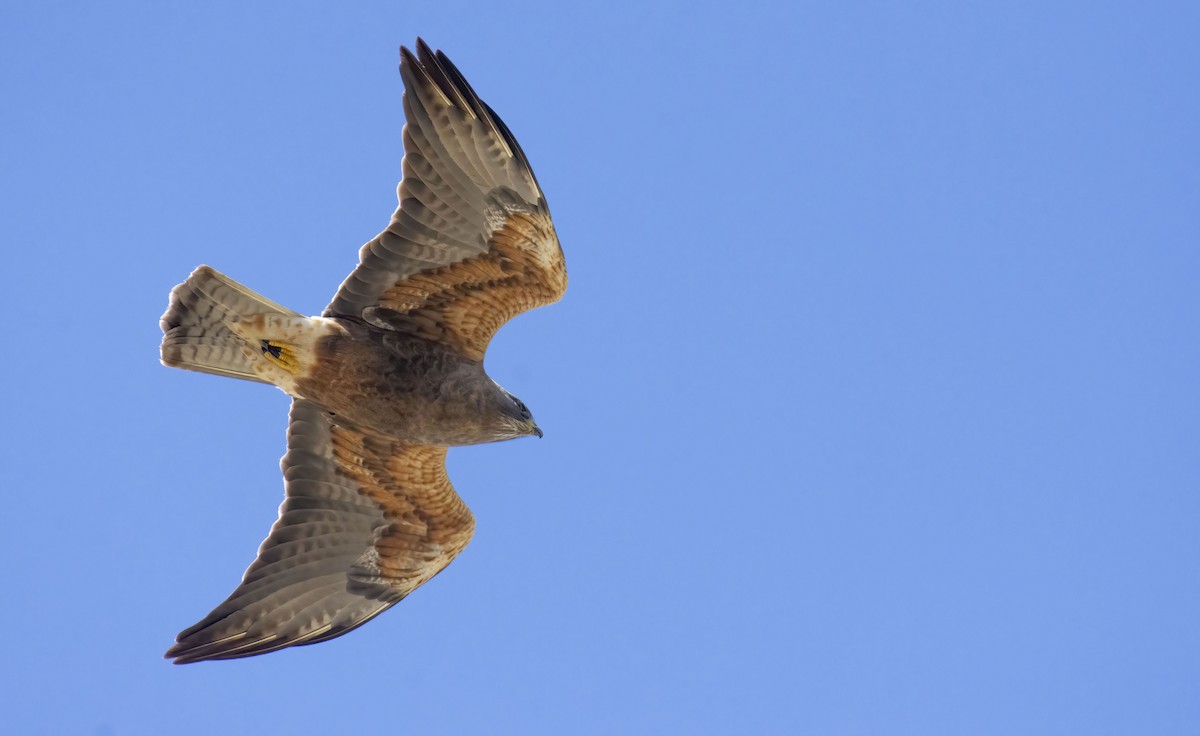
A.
x: 187, y: 654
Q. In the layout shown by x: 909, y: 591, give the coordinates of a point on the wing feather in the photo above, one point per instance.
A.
x: 471, y: 244
x: 366, y: 520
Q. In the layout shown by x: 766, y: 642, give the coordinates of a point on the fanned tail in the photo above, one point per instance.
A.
x: 196, y: 325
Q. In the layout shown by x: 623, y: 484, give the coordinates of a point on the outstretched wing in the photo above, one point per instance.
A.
x: 366, y: 519
x: 471, y: 244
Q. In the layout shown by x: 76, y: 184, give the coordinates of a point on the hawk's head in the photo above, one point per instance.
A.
x: 515, y: 419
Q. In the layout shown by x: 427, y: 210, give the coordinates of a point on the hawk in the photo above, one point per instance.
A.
x: 389, y: 376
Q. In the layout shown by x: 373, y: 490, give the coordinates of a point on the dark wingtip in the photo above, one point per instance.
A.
x: 407, y: 56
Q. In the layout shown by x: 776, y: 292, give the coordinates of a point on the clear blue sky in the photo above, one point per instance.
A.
x: 872, y: 407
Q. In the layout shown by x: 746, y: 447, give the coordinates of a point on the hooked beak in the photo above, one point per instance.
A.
x: 536, y: 430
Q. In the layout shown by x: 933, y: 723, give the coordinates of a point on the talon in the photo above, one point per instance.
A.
x: 281, y: 355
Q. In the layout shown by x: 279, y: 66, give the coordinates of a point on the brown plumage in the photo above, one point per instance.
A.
x: 384, y: 381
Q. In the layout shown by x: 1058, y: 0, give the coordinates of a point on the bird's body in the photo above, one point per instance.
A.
x: 421, y: 390
x: 388, y: 377
x: 379, y: 379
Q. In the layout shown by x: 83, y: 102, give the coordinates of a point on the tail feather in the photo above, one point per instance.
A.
x: 196, y: 332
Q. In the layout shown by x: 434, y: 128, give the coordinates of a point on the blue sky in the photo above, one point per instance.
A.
x: 872, y: 407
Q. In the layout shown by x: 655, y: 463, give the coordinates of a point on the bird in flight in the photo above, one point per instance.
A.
x: 389, y: 376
